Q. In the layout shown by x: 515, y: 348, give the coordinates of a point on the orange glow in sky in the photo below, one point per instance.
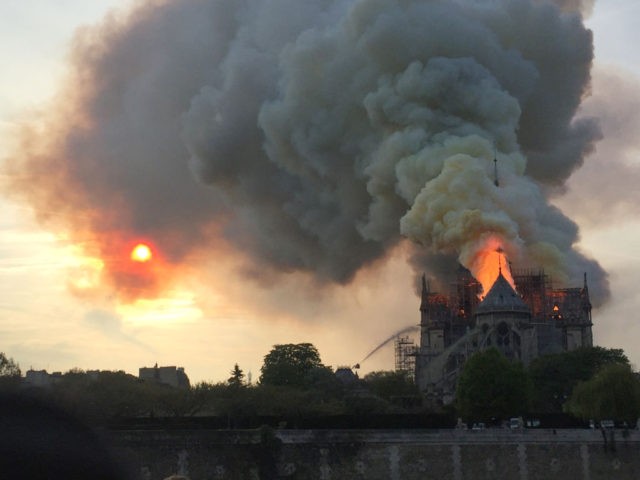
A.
x: 141, y: 253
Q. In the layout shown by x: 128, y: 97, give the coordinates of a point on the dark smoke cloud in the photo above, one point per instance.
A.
x: 321, y: 132
x: 583, y: 6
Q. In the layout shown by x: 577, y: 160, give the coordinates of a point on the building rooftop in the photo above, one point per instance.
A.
x: 502, y: 298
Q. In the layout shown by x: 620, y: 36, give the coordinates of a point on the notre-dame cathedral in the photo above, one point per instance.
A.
x: 523, y: 323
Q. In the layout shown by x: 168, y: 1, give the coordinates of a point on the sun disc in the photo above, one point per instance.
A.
x: 141, y: 253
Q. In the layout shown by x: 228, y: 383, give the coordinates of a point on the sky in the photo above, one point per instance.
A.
x: 221, y: 309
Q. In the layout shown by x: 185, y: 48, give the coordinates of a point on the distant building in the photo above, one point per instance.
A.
x: 40, y: 378
x: 346, y: 376
x: 37, y: 378
x: 172, y: 376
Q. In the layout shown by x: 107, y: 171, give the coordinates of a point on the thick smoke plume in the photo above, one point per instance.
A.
x: 322, y: 133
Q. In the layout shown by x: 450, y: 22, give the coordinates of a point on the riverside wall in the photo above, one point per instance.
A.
x: 268, y: 454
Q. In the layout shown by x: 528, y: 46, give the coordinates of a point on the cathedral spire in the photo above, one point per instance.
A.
x: 496, y: 182
x: 425, y: 293
x: 585, y: 298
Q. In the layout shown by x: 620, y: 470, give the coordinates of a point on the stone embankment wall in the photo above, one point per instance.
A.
x: 268, y: 454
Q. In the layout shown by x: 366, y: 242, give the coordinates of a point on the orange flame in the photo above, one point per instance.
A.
x: 488, y: 263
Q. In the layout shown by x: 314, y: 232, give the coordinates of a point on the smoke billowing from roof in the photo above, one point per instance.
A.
x: 321, y: 134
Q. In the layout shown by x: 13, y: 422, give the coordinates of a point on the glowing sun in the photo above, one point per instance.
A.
x: 141, y: 253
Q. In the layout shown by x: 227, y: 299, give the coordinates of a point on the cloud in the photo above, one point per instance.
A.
x: 110, y: 324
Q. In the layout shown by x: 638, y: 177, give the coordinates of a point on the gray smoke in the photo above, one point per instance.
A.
x: 583, y: 6
x: 326, y: 131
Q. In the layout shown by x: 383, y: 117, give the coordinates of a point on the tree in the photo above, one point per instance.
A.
x: 389, y: 384
x: 555, y: 376
x: 236, y: 380
x: 290, y: 364
x: 8, y: 368
x: 101, y: 397
x: 114, y: 394
x: 10, y: 374
x: 492, y: 386
x: 612, y: 393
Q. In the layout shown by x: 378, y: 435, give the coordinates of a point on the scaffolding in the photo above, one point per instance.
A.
x: 534, y: 287
x: 405, y: 350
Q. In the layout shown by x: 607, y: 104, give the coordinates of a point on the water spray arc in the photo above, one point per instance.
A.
x: 408, y: 329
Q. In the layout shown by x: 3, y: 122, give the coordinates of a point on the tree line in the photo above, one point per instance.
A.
x: 293, y: 383
x: 588, y: 383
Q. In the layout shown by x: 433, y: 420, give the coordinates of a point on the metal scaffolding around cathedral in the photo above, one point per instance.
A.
x: 405, y: 352
x: 523, y: 323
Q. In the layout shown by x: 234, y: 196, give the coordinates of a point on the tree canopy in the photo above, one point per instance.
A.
x: 8, y: 368
x: 290, y: 365
x: 555, y: 376
x: 492, y: 386
x: 612, y: 393
x: 389, y: 384
x: 10, y: 374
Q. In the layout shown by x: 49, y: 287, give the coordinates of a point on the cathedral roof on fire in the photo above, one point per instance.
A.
x: 502, y: 298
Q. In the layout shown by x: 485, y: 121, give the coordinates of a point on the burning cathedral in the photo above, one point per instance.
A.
x: 522, y: 315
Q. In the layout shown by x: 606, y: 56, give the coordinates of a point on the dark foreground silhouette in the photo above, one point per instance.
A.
x: 39, y: 441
